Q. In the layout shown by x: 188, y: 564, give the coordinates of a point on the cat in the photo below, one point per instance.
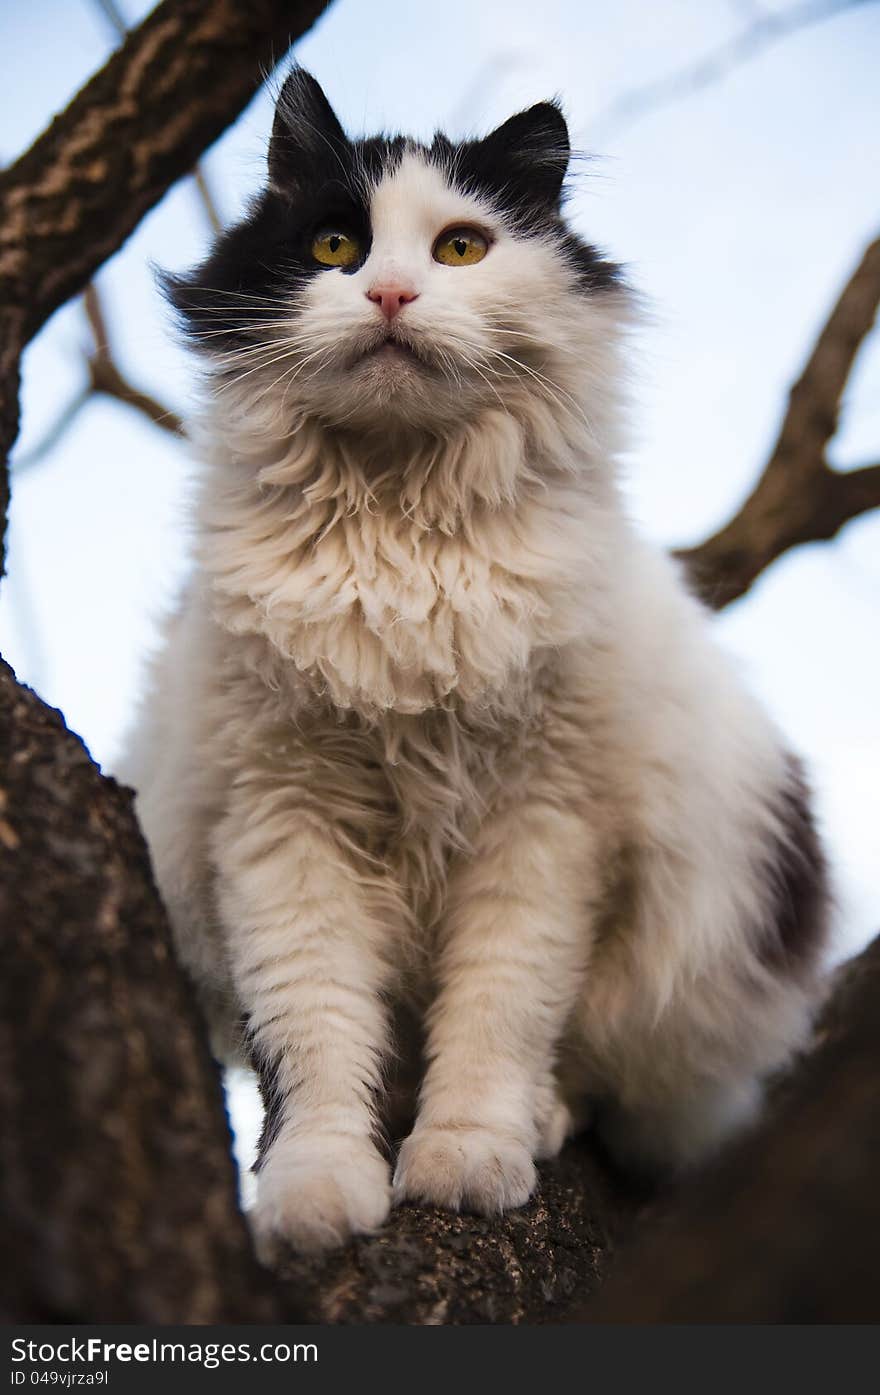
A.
x: 433, y: 730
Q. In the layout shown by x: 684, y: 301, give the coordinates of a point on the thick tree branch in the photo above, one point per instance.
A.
x: 429, y: 1266
x: 117, y: 23
x: 799, y: 497
x: 139, y: 125
x: 117, y: 1188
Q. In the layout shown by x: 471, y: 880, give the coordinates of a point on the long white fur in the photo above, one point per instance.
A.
x: 434, y: 724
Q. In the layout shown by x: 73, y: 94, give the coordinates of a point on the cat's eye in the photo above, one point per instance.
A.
x: 460, y: 247
x: 334, y: 247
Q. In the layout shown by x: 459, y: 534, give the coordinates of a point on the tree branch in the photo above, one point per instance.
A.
x: 118, y: 24
x: 117, y: 1188
x: 429, y: 1266
x: 799, y: 497
x: 139, y: 125
x: 56, y: 432
x: 107, y: 378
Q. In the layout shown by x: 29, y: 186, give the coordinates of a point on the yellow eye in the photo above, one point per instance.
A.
x: 460, y: 247
x: 333, y: 247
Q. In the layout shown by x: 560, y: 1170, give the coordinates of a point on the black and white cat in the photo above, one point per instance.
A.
x: 433, y: 727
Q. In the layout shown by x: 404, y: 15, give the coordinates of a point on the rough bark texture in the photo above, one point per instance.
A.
x: 786, y: 1229
x: 429, y: 1266
x: 139, y: 125
x: 118, y: 1191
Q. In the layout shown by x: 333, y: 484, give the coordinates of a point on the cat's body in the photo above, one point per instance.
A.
x: 434, y: 727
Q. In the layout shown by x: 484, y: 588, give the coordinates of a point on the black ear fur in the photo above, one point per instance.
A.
x: 533, y: 149
x: 305, y: 133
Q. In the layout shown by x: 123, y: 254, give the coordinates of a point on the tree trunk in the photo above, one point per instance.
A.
x: 118, y: 1191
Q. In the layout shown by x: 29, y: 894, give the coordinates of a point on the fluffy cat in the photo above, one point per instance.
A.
x: 433, y: 729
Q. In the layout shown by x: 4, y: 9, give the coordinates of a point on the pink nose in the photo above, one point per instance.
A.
x: 391, y: 298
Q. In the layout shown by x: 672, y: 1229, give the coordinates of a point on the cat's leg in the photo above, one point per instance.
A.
x: 510, y: 966
x: 309, y: 932
x: 554, y: 1120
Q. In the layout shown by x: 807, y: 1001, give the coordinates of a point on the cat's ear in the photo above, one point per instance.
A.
x: 306, y: 133
x: 533, y: 149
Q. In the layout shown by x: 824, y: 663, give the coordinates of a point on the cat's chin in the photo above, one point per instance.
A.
x: 391, y: 353
x: 394, y: 386
x: 393, y: 365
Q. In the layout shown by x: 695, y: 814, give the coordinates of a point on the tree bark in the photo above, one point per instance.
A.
x: 430, y: 1266
x: 118, y: 1190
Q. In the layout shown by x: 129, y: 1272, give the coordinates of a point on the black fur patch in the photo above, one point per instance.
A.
x: 273, y: 1102
x: 521, y: 168
x: 797, y: 935
x: 317, y: 176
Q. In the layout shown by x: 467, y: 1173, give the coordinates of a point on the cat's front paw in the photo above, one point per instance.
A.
x: 315, y: 1194
x: 469, y: 1169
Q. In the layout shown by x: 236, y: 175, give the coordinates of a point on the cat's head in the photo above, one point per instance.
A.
x: 386, y: 284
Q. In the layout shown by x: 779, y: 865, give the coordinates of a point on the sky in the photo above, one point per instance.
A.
x: 739, y: 211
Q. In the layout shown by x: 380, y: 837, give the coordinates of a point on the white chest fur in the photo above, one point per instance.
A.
x: 448, y: 589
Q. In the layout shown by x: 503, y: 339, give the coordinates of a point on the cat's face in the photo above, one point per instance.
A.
x: 388, y: 285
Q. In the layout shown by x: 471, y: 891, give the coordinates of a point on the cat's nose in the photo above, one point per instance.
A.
x: 391, y: 297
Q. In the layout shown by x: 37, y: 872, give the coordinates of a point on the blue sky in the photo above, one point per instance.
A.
x: 739, y: 211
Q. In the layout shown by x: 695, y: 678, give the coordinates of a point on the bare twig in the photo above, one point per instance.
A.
x: 59, y: 428
x: 765, y: 30
x: 208, y: 201
x: 114, y: 17
x: 106, y: 377
x: 799, y: 497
